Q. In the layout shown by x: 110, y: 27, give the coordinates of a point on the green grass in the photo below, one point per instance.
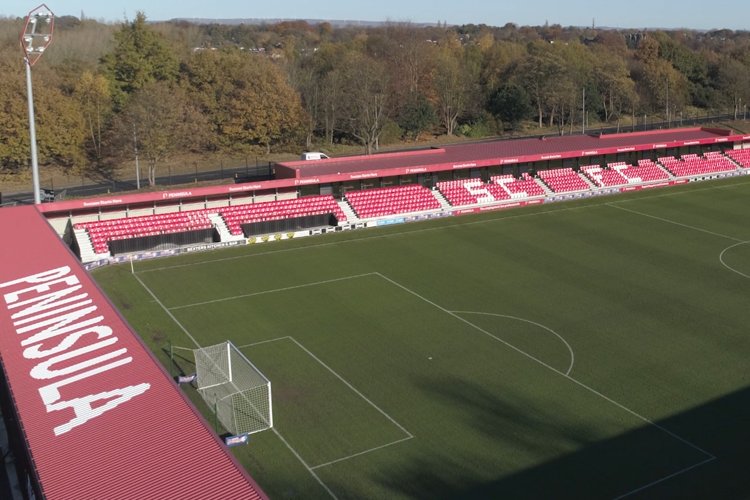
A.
x: 576, y: 350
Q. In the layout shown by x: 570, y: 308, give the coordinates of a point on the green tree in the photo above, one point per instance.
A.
x: 417, y: 115
x: 140, y: 56
x: 510, y: 104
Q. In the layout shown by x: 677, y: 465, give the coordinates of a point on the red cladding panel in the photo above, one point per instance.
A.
x: 101, y: 418
x: 293, y: 174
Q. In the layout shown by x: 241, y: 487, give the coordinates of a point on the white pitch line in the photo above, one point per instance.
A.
x: 570, y: 349
x: 721, y: 258
x: 167, y: 310
x: 302, y: 461
x: 350, y: 386
x: 557, y: 209
x: 265, y: 292
x: 669, y: 221
x: 362, y: 453
x: 549, y: 367
x: 665, y: 478
x: 263, y: 342
x: 294, y: 452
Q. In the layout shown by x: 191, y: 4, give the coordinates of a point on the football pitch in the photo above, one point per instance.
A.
x: 590, y: 349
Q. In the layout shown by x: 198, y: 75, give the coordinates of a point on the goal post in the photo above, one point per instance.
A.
x: 234, y: 388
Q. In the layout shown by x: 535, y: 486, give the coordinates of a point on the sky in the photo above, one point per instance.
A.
x: 694, y: 14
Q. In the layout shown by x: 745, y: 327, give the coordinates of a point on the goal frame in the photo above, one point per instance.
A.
x: 235, y: 389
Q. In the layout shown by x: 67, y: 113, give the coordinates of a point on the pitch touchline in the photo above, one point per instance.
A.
x: 285, y: 289
x: 167, y: 310
x: 669, y: 221
x: 350, y: 386
x: 415, y: 231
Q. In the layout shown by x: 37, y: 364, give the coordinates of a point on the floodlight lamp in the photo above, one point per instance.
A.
x: 33, y: 20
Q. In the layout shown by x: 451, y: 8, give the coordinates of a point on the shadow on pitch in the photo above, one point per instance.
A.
x: 517, y: 428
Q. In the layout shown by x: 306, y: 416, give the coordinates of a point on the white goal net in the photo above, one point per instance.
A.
x: 237, y: 391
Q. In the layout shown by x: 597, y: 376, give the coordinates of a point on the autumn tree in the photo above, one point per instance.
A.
x: 59, y: 123
x: 318, y: 80
x: 540, y: 75
x: 94, y: 98
x: 666, y: 89
x: 365, y: 105
x: 733, y: 84
x: 247, y: 97
x: 452, y: 86
x: 160, y: 121
x: 615, y: 87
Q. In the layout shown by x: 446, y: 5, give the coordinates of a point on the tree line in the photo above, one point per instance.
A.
x: 104, y: 92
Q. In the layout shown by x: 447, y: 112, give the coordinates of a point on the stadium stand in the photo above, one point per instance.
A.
x: 506, y: 162
x: 563, y: 180
x: 103, y: 232
x: 692, y: 165
x: 620, y: 173
x: 472, y: 191
x: 237, y: 215
x: 525, y: 187
x: 740, y: 156
x: 646, y: 171
x: 604, y: 177
x: 381, y: 202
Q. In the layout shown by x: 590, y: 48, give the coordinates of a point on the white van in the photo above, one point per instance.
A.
x: 314, y: 155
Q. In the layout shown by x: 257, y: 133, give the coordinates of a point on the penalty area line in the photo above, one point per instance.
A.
x: 275, y: 431
x: 709, y: 456
x: 407, y: 435
x: 276, y: 290
x: 365, y: 452
x: 665, y: 478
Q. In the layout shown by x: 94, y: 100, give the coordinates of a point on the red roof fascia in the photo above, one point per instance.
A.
x: 172, y: 196
x: 453, y: 157
x: 101, y: 417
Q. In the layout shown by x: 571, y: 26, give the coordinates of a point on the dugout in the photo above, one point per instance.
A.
x: 289, y: 225
x: 163, y: 241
